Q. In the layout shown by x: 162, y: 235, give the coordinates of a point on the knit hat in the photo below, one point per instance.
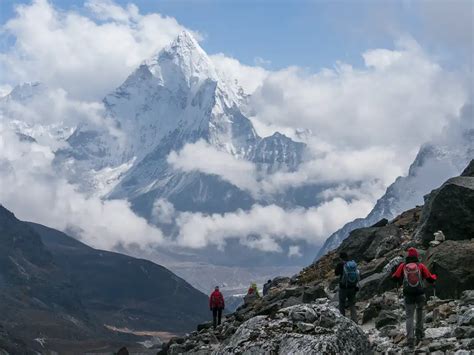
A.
x: 412, y: 252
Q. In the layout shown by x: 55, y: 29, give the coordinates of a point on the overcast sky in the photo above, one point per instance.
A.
x: 309, y: 33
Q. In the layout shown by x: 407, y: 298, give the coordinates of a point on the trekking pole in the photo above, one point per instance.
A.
x: 400, y: 304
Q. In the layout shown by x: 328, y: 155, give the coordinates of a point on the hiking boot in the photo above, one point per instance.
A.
x: 411, y: 343
x: 419, y: 336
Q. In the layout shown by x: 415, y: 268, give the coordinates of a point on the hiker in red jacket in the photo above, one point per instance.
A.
x: 412, y: 273
x: 216, y: 304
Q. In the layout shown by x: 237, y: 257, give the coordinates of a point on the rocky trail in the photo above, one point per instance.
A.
x: 299, y: 315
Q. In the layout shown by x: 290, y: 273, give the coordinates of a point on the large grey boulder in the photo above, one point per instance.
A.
x: 300, y: 329
x: 450, y: 209
x: 453, y: 262
x: 369, y: 243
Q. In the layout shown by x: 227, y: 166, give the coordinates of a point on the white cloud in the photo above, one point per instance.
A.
x: 260, y: 62
x: 5, y: 89
x: 374, y: 118
x: 264, y: 227
x: 325, y: 165
x: 30, y: 188
x: 248, y: 77
x: 162, y: 212
x: 294, y: 251
x: 400, y: 99
x: 201, y: 156
x: 50, y: 115
x: 88, y: 56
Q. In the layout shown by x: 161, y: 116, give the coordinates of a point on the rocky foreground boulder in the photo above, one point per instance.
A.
x: 453, y: 262
x: 299, y: 329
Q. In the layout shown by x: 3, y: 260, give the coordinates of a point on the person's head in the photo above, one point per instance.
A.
x: 343, y: 255
x: 269, y: 281
x: 412, y: 253
x: 216, y: 288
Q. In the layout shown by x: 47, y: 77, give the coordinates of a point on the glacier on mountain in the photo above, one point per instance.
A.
x: 174, y: 98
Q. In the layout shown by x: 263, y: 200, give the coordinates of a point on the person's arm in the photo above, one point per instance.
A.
x: 426, y: 274
x: 210, y: 302
x: 339, y: 269
x: 397, y: 275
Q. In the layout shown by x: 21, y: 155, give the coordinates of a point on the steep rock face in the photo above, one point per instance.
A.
x: 449, y: 209
x: 277, y: 153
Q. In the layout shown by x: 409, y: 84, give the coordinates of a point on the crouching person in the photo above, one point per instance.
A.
x: 412, y: 273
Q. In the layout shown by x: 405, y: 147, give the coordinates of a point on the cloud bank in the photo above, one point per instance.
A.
x: 401, y: 98
x: 30, y: 187
x: 89, y: 53
x: 367, y: 124
x: 263, y: 227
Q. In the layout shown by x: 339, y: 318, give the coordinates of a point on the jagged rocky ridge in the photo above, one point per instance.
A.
x: 292, y: 317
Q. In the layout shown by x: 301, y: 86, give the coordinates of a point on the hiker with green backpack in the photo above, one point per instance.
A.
x: 412, y: 273
x: 349, y: 277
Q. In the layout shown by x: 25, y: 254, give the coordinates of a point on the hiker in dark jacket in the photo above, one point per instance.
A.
x: 412, y: 273
x: 216, y: 304
x: 266, y: 287
x: 347, y: 290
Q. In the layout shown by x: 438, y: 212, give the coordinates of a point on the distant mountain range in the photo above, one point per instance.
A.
x: 57, y: 293
x: 174, y: 98
x: 178, y: 97
x: 435, y: 162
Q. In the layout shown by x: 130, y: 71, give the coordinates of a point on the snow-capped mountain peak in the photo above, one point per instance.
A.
x: 26, y: 91
x: 183, y: 62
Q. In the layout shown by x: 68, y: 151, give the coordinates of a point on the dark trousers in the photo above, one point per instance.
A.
x: 414, y: 308
x: 347, y: 299
x: 216, y: 316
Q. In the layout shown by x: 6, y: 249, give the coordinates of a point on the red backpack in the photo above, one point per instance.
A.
x: 412, y: 279
x: 217, y: 300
